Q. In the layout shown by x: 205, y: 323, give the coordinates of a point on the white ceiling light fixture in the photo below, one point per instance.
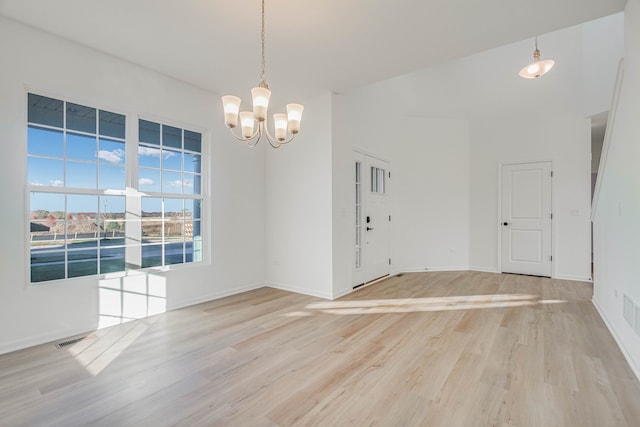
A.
x: 286, y: 126
x: 537, y: 68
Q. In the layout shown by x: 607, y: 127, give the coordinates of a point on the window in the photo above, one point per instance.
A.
x: 358, y: 247
x: 170, y: 177
x: 377, y: 180
x: 82, y: 221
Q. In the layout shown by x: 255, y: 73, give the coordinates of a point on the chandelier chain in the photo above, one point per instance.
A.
x: 262, y: 75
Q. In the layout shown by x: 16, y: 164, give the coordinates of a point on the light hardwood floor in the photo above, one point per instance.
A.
x: 431, y: 349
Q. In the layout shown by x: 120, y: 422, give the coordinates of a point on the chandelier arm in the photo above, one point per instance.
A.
x: 242, y: 138
x: 275, y: 143
x: 286, y: 141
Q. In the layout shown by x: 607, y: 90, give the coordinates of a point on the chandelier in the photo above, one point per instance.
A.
x: 537, y: 68
x: 286, y: 126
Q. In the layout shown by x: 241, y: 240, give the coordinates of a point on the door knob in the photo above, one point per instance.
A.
x: 505, y: 223
x: 369, y: 228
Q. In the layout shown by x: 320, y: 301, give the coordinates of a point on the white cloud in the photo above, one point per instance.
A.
x: 114, y: 156
x: 145, y: 181
x: 154, y: 152
x: 56, y: 183
x: 36, y: 183
x: 178, y: 183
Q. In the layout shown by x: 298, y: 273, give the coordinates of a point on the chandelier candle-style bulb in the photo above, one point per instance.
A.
x: 294, y: 113
x: 231, y: 105
x: 261, y: 97
x: 280, y: 123
x: 246, y: 121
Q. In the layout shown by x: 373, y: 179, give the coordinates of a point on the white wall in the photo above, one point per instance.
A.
x: 31, y: 59
x: 616, y: 221
x: 429, y: 185
x: 298, y: 206
x: 478, y: 112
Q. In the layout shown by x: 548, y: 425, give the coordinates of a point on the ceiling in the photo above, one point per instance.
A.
x: 311, y: 47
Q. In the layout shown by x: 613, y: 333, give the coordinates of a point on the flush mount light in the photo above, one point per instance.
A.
x: 286, y: 126
x: 537, y: 68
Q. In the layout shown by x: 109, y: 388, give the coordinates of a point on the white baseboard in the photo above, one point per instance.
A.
x: 342, y: 293
x: 574, y: 278
x: 33, y: 340
x: 635, y: 368
x: 427, y: 269
x: 304, y: 291
x: 216, y: 295
x: 484, y: 269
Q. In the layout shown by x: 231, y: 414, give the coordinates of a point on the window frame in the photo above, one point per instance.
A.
x: 131, y: 170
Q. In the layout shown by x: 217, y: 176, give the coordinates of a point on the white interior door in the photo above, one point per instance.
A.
x: 526, y: 219
x: 377, y: 230
x: 372, y: 219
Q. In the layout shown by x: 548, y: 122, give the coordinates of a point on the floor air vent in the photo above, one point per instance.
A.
x: 65, y: 344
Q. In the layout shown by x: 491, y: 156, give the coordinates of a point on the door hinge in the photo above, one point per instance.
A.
x: 389, y: 217
x: 551, y: 174
x: 551, y: 215
x: 551, y: 258
x: 389, y: 174
x: 389, y: 261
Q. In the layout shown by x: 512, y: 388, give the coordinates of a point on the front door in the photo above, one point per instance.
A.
x: 376, y: 219
x: 526, y: 219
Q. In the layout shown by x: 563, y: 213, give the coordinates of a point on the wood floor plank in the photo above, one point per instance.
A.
x: 419, y: 349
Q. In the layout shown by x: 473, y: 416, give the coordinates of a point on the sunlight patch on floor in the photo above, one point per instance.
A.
x: 99, y: 349
x: 410, y: 305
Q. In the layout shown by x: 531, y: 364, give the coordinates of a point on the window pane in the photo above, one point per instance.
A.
x: 81, y: 175
x: 45, y: 142
x: 172, y: 159
x: 149, y: 156
x: 111, y: 124
x: 174, y: 253
x: 152, y: 231
x: 82, y: 234
x: 110, y: 151
x: 191, y: 184
x: 171, y: 182
x: 82, y: 262
x: 173, y: 231
x: 81, y: 147
x: 193, y: 208
x: 82, y: 207
x: 47, y: 172
x: 44, y: 204
x: 111, y: 259
x: 113, y: 206
x: 173, y: 208
x: 45, y: 111
x: 171, y: 137
x: 111, y: 177
x: 46, y: 265
x: 80, y: 117
x: 151, y: 207
x: 149, y: 180
x: 192, y: 163
x: 149, y: 132
x: 151, y: 255
x: 192, y: 141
